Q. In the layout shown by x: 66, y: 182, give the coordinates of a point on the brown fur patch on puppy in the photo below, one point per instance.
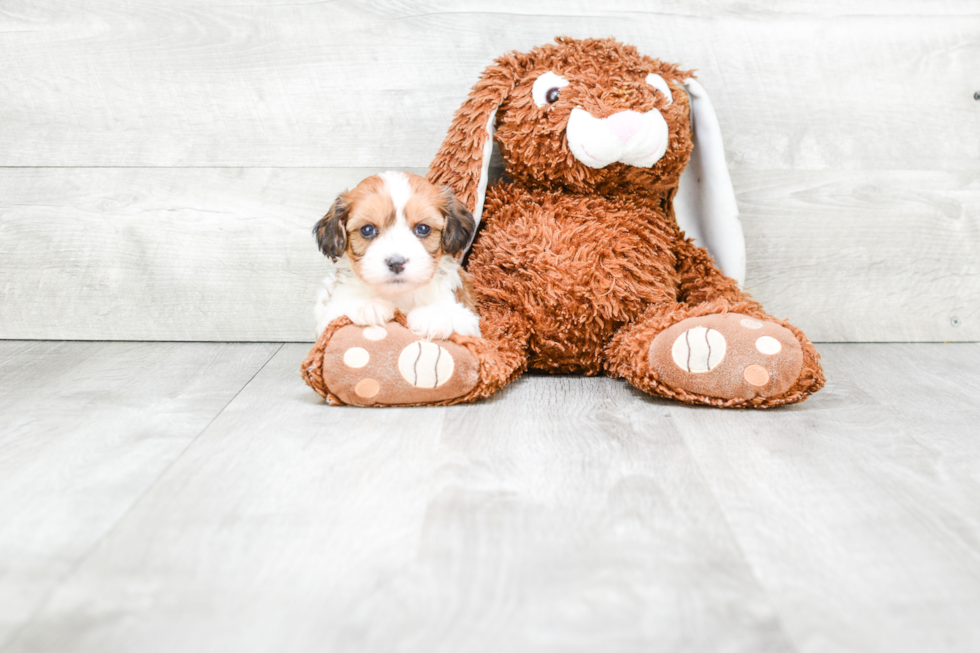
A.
x: 369, y: 205
x: 424, y: 207
x: 460, y: 224
x: 331, y: 230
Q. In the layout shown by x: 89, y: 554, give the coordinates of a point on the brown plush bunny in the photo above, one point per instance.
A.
x: 580, y: 265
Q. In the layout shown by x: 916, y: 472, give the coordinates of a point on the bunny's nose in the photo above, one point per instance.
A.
x: 625, y: 124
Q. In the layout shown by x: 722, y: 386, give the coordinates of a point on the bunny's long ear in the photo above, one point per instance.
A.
x: 705, y: 202
x: 463, y: 160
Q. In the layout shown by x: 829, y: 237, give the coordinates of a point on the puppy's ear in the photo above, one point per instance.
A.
x: 331, y: 230
x: 460, y: 224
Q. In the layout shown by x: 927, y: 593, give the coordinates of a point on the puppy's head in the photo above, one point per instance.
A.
x: 395, y: 228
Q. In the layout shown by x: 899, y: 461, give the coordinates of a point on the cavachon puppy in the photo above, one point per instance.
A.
x: 393, y: 241
x: 581, y: 265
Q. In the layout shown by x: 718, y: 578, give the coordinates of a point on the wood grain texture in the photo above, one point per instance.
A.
x: 866, y: 256
x: 86, y: 429
x: 846, y: 127
x: 162, y: 254
x: 864, y: 85
x: 226, y: 254
x: 565, y: 515
x: 859, y: 511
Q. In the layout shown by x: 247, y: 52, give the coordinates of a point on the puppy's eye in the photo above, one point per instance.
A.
x: 369, y: 231
x: 422, y: 230
x: 547, y: 88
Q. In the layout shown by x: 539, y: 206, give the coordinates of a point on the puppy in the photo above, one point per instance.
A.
x: 394, y: 241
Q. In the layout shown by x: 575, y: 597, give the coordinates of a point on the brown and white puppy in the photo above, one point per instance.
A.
x: 393, y: 241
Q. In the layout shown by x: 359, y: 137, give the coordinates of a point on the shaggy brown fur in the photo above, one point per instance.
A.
x: 578, y: 269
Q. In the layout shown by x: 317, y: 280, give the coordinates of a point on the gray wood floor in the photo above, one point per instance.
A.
x: 198, y: 497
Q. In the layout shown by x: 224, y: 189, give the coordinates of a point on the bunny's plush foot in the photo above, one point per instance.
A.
x: 389, y: 366
x: 728, y: 356
x: 718, y: 354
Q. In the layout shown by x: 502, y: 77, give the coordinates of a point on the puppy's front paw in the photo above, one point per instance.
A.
x: 370, y: 314
x: 438, y: 322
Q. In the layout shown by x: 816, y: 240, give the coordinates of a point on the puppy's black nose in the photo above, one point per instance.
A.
x: 396, y: 263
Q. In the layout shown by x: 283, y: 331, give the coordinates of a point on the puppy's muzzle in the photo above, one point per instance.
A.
x: 396, y: 263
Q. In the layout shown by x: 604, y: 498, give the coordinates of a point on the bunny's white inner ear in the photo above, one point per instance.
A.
x: 659, y: 83
x: 481, y: 186
x: 705, y: 204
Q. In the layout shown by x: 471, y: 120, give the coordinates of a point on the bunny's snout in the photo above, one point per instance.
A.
x: 630, y: 137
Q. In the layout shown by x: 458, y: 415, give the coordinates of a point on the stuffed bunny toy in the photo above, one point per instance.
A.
x: 601, y: 251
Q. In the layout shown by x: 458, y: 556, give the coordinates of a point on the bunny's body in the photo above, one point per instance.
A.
x: 566, y: 269
x: 580, y: 265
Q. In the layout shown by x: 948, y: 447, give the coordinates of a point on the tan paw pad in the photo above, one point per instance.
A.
x: 367, y: 388
x: 756, y: 375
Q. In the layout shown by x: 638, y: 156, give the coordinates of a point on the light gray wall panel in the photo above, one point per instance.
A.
x: 865, y: 256
x: 162, y: 253
x: 165, y: 162
x: 867, y: 85
x: 227, y: 254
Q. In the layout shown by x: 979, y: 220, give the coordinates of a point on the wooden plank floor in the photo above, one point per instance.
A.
x: 168, y: 497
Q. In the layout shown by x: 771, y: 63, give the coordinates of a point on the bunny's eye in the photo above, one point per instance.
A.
x: 547, y: 88
x: 659, y: 83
